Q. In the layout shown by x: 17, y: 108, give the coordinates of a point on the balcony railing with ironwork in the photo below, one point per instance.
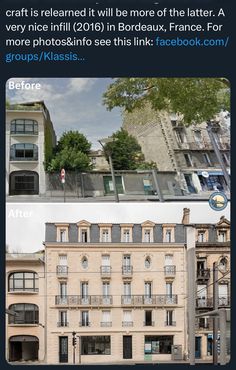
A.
x: 105, y: 271
x: 127, y: 323
x: 77, y: 300
x: 63, y: 324
x: 154, y: 300
x: 207, y: 325
x: 127, y: 270
x: 106, y: 324
x: 203, y: 274
x: 208, y: 302
x: 170, y: 270
x: 170, y: 323
x: 62, y: 270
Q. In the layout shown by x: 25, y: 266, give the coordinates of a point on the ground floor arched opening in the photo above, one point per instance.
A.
x: 23, y: 348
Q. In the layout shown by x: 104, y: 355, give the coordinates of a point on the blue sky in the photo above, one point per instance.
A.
x: 74, y: 104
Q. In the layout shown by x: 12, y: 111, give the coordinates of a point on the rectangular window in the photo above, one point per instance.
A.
x: 126, y: 236
x: 222, y: 236
x: 62, y: 318
x: 84, y: 292
x: 168, y: 259
x: 96, y: 345
x: 202, y: 295
x: 168, y: 238
x: 158, y: 344
x: 206, y: 159
x: 223, y: 294
x: 84, y: 318
x: 106, y: 318
x: 127, y: 293
x: 62, y: 235
x: 127, y: 318
x: 105, y: 236
x: 84, y: 235
x: 169, y: 318
x: 188, y: 160
x: 148, y: 318
x: 147, y: 236
x: 201, y: 236
x: 63, y: 260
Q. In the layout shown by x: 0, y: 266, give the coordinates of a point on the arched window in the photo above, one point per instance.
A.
x: 24, y: 313
x: 23, y: 281
x: 24, y: 152
x: 24, y: 127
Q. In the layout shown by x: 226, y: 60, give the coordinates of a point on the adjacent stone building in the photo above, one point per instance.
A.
x: 187, y: 150
x: 212, y: 246
x: 30, y: 139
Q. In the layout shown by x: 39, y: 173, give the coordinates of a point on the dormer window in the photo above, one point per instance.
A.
x: 222, y: 236
x: 84, y: 231
x: 201, y: 236
x: 147, y: 235
x: 168, y: 233
x: 105, y: 233
x: 62, y: 233
x: 147, y: 231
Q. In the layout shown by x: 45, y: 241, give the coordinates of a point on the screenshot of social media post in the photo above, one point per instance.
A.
x: 118, y: 221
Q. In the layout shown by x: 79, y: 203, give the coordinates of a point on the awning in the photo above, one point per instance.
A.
x: 24, y: 338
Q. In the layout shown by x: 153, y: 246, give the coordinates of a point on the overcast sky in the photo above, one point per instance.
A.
x: 26, y: 234
x: 74, y: 104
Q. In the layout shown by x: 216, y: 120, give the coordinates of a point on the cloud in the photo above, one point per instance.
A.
x: 80, y: 85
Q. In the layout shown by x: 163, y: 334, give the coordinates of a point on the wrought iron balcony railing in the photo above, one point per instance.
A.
x: 148, y: 323
x: 105, y: 271
x: 127, y: 323
x: 63, y: 324
x: 154, y: 300
x: 203, y: 274
x: 106, y: 324
x: 127, y: 270
x: 77, y: 300
x: 170, y: 323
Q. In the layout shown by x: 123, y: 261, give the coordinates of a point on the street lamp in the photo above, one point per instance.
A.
x: 108, y: 152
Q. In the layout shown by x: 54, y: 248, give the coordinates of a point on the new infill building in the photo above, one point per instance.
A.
x: 118, y: 292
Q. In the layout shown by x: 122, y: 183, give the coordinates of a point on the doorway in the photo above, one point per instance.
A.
x: 127, y: 346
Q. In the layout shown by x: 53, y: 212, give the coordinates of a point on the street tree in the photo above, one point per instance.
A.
x: 71, y: 153
x: 194, y: 99
x: 126, y: 152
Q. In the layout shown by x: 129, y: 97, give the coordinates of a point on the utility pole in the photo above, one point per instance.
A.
x: 211, y: 134
x: 191, y: 291
x: 215, y: 318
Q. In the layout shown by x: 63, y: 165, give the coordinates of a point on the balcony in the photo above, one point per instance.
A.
x: 203, y: 274
x: 208, y: 302
x: 127, y: 271
x: 62, y: 324
x: 127, y: 323
x: 105, y: 272
x: 154, y: 300
x: 170, y: 271
x: 106, y: 324
x: 170, y: 323
x: 204, y: 325
x: 77, y: 300
x: 62, y: 271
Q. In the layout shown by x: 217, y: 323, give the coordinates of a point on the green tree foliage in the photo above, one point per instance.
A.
x: 195, y: 99
x: 126, y: 152
x: 74, y: 139
x: 71, y: 153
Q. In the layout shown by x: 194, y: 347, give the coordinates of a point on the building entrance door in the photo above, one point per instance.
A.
x: 63, y: 349
x: 127, y: 346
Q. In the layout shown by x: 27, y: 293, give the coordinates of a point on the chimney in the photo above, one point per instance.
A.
x: 186, y: 216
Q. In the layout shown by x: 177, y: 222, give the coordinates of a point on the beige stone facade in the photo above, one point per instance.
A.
x: 127, y: 291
